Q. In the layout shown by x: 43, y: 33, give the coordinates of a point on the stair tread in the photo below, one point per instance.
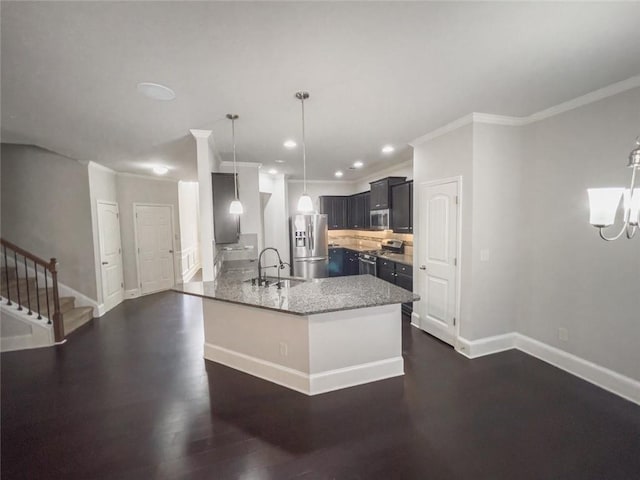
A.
x: 76, y: 317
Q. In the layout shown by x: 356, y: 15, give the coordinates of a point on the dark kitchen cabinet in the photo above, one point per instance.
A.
x: 366, y: 205
x: 336, y: 209
x: 358, y: 211
x: 351, y: 262
x: 336, y: 262
x: 381, y: 192
x: 402, y: 210
x: 226, y: 227
x: 399, y: 274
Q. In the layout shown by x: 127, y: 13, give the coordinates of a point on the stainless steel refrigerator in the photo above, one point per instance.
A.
x: 310, y: 246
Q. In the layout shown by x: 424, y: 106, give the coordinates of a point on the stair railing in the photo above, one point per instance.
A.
x: 15, y: 260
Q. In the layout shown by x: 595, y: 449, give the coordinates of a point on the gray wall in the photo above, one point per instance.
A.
x: 571, y: 278
x: 136, y: 189
x: 46, y: 210
x: 449, y: 155
x: 525, y: 200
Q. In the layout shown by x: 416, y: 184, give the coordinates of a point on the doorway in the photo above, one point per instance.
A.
x: 110, y: 254
x: 439, y: 265
x: 154, y: 247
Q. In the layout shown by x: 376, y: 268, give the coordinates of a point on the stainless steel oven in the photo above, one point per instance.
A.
x: 380, y: 219
x: 367, y: 264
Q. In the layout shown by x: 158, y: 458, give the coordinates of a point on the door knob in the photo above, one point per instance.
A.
x: 170, y: 251
x: 423, y: 267
x: 105, y: 263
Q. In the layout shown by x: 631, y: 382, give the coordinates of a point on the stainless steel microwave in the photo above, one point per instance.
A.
x: 380, y: 219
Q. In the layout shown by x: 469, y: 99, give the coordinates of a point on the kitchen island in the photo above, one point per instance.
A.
x: 312, y: 336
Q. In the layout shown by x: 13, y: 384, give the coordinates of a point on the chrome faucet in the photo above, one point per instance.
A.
x: 279, y: 266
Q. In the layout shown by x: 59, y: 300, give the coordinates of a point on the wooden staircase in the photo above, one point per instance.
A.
x: 29, y: 285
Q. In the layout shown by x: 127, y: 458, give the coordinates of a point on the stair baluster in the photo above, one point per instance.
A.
x: 15, y: 262
x: 26, y: 276
x: 46, y: 293
x: 6, y: 274
x: 35, y: 267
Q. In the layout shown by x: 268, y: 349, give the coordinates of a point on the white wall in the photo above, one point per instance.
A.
x: 275, y: 213
x: 572, y: 278
x: 189, y: 253
x: 137, y: 189
x: 46, y: 210
x: 102, y: 186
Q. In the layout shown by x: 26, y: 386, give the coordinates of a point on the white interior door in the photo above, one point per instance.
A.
x: 154, y: 236
x: 438, y: 262
x: 110, y: 254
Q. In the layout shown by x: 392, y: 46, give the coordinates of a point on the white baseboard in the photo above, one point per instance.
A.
x: 611, y: 381
x: 415, y: 320
x: 133, y: 293
x: 600, y: 376
x: 309, y: 384
x: 485, y: 346
x: 188, y: 275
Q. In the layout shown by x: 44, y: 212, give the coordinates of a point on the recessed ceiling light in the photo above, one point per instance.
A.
x: 358, y: 164
x: 160, y: 170
x: 290, y: 144
x: 280, y: 161
x: 388, y: 149
x: 156, y: 91
x: 338, y: 174
x: 273, y: 171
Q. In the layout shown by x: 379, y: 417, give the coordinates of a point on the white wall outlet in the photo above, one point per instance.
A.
x: 484, y: 254
x: 563, y: 334
x: 284, y: 349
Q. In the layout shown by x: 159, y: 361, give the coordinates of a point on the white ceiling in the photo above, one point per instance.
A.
x: 377, y: 72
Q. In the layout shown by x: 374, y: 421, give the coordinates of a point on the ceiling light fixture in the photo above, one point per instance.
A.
x: 273, y: 171
x: 358, y: 164
x: 604, y: 202
x: 290, y: 144
x: 235, y: 208
x: 388, y: 149
x: 160, y: 170
x: 156, y: 91
x: 338, y: 174
x: 280, y: 161
x: 305, y: 204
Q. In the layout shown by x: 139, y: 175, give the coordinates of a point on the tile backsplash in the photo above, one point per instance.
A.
x: 370, y: 238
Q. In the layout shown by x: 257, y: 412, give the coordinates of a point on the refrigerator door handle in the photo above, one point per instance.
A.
x: 311, y: 237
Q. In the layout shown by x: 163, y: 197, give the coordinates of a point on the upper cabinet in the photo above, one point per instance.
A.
x: 402, y: 211
x: 226, y: 227
x: 335, y: 208
x: 358, y: 211
x: 381, y: 192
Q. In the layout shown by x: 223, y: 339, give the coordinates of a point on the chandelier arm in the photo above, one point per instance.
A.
x: 631, y: 231
x: 610, y: 239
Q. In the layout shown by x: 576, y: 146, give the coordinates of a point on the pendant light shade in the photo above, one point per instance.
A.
x: 305, y: 204
x: 235, y: 208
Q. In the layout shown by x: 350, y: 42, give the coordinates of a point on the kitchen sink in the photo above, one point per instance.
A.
x: 273, y: 282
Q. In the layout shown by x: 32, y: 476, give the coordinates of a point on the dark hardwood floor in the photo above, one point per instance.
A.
x: 130, y: 397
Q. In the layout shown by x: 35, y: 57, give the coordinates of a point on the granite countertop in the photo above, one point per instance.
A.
x: 396, y: 257
x: 305, y: 298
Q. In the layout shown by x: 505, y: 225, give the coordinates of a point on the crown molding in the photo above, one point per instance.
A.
x: 146, y: 177
x: 228, y: 163
x: 99, y: 166
x: 563, y: 107
x: 341, y: 182
x: 201, y: 133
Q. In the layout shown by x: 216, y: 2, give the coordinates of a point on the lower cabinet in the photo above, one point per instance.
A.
x: 351, y: 262
x: 399, y: 274
x: 336, y: 262
x: 343, y: 261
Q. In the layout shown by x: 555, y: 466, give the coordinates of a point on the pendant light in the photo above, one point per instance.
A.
x: 235, y: 208
x: 305, y: 204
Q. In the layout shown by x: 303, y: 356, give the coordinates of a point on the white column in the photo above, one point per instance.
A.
x: 205, y: 164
